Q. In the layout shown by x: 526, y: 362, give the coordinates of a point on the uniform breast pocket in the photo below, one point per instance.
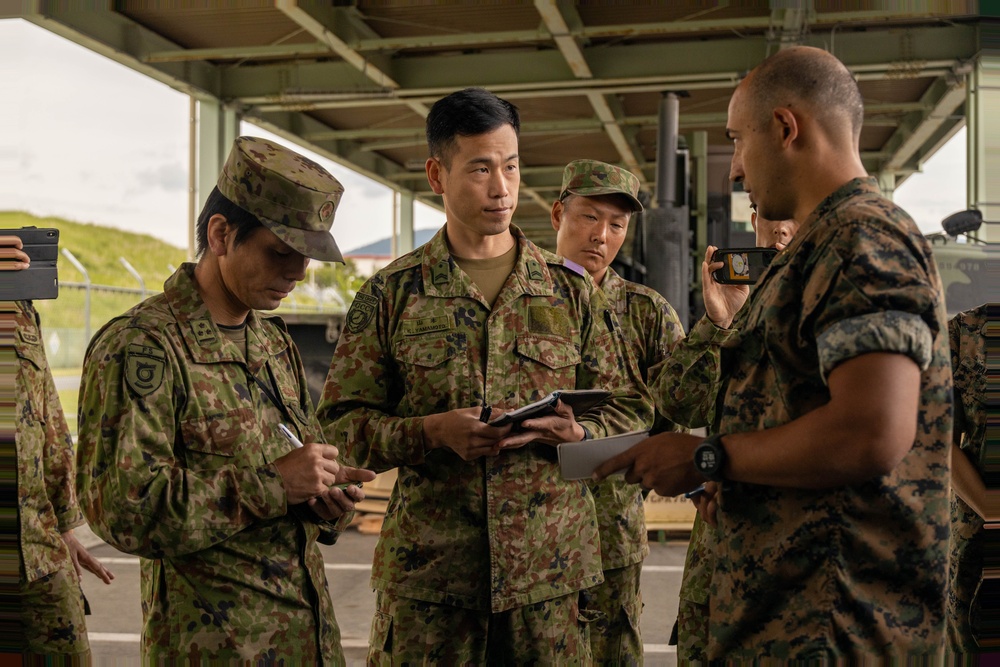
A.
x: 546, y: 361
x: 216, y: 441
x: 435, y: 371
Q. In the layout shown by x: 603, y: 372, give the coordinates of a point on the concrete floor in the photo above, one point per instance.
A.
x: 116, y: 622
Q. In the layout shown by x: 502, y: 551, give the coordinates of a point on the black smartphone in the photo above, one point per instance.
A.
x: 40, y: 280
x: 742, y: 266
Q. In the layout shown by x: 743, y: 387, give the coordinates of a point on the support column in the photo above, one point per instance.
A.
x: 984, y: 139
x: 218, y: 128
x: 406, y: 202
x: 887, y: 183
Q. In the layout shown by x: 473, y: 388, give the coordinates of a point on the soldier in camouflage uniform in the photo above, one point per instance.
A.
x: 686, y: 389
x: 967, y: 334
x: 180, y: 457
x: 50, y: 557
x: 835, y: 417
x: 591, y: 219
x: 484, y: 548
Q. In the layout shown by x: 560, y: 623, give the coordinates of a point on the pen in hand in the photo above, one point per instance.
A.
x: 296, y: 443
x: 484, y: 416
x: 694, y: 492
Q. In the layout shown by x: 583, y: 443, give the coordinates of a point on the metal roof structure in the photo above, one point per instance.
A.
x: 354, y: 79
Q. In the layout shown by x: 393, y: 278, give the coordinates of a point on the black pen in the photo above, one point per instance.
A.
x: 484, y: 415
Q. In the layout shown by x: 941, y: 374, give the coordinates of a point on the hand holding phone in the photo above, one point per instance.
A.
x: 742, y: 266
x: 28, y: 258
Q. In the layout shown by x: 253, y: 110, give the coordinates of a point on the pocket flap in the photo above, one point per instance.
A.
x: 551, y: 351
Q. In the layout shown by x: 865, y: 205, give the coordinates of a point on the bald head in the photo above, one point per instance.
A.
x: 811, y: 79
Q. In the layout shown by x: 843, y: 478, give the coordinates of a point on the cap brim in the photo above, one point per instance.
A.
x: 318, y: 245
x: 593, y: 191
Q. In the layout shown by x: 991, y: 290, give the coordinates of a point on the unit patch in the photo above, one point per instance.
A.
x: 144, y: 368
x: 361, y: 312
x: 28, y: 337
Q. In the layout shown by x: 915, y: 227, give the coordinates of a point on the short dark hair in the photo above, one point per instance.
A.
x: 815, y: 77
x: 466, y: 113
x: 244, y: 221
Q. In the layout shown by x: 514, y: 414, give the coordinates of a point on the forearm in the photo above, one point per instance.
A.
x: 373, y: 439
x: 862, y: 432
x: 685, y: 385
x: 968, y: 485
x: 172, y: 511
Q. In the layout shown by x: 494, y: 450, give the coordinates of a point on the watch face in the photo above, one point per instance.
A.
x: 707, y: 460
x: 709, y: 457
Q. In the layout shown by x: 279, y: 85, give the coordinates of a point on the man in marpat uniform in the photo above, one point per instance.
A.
x: 835, y: 421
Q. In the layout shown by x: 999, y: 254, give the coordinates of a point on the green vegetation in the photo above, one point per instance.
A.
x: 98, y: 249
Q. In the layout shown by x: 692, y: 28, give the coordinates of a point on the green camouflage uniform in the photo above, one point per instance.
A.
x: 52, y: 606
x: 967, y: 332
x: 650, y: 326
x: 859, y: 570
x: 176, y: 451
x: 685, y: 388
x: 497, y: 533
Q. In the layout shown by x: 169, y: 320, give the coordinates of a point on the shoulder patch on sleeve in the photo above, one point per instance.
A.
x: 361, y: 313
x: 144, y: 368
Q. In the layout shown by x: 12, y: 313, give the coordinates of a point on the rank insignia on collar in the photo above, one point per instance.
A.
x: 144, y: 368
x: 534, y: 271
x: 203, y: 330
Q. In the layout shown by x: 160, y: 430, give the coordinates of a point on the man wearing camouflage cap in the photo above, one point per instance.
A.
x: 591, y: 219
x: 180, y: 457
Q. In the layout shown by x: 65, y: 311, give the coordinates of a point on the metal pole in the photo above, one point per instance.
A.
x: 666, y: 165
x: 192, y: 175
x: 135, y: 274
x: 86, y: 303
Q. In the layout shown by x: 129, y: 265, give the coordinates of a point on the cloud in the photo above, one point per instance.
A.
x: 168, y: 177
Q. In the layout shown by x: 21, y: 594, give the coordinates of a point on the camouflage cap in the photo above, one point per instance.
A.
x: 591, y: 177
x: 290, y: 194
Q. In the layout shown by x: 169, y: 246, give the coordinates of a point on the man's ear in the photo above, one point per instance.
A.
x: 557, y: 213
x: 218, y: 234
x: 788, y: 125
x: 433, y: 167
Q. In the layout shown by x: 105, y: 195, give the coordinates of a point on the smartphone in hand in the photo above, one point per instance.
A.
x: 742, y: 266
x: 40, y: 280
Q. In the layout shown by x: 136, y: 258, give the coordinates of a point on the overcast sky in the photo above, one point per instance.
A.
x: 89, y: 140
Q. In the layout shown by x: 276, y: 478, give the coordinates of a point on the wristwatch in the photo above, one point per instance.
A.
x: 710, y: 457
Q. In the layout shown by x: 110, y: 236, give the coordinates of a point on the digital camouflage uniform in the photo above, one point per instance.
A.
x: 685, y: 388
x: 967, y: 333
x: 859, y: 570
x: 176, y: 452
x: 499, y: 534
x: 650, y: 326
x: 52, y: 606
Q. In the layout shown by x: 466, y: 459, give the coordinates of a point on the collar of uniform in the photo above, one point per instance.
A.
x: 852, y: 188
x: 440, y: 272
x: 614, y: 289
x: 204, y: 341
